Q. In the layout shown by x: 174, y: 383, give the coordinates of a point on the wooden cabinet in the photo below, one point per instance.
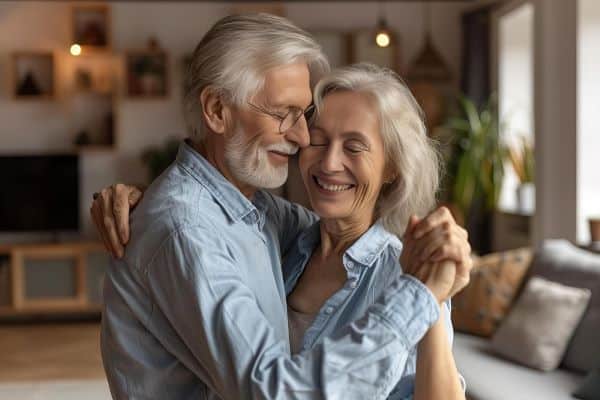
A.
x: 78, y: 293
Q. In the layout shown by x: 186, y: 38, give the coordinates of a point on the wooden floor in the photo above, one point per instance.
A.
x: 50, y: 351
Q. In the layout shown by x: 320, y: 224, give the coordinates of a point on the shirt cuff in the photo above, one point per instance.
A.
x: 409, y: 307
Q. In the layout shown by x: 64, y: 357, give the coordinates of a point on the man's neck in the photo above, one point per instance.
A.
x: 214, y: 152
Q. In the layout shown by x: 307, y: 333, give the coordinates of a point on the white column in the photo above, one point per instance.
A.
x: 555, y: 82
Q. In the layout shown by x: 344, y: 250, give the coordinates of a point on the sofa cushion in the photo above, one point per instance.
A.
x: 495, y: 280
x: 488, y: 377
x: 590, y: 387
x: 560, y: 261
x: 538, y: 328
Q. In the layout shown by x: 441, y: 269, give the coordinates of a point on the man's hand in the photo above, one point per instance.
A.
x: 110, y: 213
x: 436, y: 243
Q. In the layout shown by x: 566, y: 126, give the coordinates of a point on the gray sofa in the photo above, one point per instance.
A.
x: 489, y: 377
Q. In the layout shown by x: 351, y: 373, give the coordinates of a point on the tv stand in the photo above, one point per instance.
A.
x: 74, y: 254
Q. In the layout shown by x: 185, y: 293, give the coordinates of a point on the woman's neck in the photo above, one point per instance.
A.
x: 337, y: 235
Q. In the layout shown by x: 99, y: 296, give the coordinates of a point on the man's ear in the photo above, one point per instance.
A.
x: 213, y: 110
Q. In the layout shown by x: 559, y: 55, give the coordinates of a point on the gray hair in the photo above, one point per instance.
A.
x: 410, y: 153
x: 234, y: 55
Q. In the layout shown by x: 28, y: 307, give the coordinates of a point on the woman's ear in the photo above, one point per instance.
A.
x: 213, y: 110
x: 389, y: 175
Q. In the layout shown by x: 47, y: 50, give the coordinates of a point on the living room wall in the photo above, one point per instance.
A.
x: 33, y: 127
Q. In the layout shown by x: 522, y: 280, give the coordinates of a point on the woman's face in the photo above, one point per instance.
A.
x: 343, y: 167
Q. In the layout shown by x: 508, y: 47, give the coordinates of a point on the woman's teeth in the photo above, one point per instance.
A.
x: 332, y: 188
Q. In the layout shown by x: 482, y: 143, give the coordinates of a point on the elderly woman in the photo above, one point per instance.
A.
x: 368, y: 170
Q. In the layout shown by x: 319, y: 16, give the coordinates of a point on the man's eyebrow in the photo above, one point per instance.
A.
x: 288, y: 105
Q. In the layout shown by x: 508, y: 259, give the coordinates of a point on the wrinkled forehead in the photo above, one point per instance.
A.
x: 287, y: 85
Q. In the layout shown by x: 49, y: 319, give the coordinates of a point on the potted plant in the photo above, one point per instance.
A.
x: 523, y: 162
x: 475, y: 167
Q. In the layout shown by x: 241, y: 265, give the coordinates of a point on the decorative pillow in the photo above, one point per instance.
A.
x: 538, y: 328
x: 495, y: 280
x: 590, y: 387
x: 560, y: 261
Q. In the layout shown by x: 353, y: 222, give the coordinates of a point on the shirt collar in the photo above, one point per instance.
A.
x: 368, y: 248
x: 231, y: 200
x: 365, y: 251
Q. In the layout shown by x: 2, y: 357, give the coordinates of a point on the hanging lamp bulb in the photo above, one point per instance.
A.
x: 383, y: 38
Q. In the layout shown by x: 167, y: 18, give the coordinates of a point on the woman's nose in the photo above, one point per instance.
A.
x: 332, y: 159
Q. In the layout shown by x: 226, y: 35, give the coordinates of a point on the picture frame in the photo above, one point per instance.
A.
x: 364, y: 49
x: 33, y: 75
x: 90, y: 25
x: 146, y: 74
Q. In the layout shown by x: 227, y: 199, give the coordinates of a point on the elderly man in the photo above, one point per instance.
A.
x: 195, y: 308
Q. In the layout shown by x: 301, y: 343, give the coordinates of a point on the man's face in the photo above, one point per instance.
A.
x: 256, y: 152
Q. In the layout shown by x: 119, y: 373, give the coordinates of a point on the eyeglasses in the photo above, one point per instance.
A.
x: 290, y: 119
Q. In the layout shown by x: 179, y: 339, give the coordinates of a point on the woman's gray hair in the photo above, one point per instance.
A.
x: 409, y: 152
x: 234, y: 55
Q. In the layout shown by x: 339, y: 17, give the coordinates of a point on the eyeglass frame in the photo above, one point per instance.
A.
x: 272, y: 114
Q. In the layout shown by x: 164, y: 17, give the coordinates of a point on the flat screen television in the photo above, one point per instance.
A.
x: 39, y: 193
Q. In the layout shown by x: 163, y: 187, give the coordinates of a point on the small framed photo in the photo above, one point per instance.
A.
x: 364, y: 49
x: 33, y: 75
x: 146, y: 72
x: 91, y: 26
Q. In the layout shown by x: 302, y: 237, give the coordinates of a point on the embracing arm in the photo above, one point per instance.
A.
x: 232, y: 347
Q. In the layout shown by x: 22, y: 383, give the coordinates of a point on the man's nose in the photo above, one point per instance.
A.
x: 298, y: 133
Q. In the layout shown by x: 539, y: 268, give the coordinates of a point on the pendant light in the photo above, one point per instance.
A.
x: 429, y: 64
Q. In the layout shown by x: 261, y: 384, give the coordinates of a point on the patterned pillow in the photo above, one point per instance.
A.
x: 495, y: 280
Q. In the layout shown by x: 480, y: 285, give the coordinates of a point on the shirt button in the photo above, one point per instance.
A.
x: 329, y: 310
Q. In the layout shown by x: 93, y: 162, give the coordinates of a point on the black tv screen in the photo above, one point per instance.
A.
x: 39, y: 193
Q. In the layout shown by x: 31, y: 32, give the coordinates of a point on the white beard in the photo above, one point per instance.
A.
x: 249, y: 163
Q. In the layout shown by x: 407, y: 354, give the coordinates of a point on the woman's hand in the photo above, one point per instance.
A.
x: 110, y: 214
x: 437, y: 238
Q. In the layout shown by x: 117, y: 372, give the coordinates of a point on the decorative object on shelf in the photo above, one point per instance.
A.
x: 523, y: 162
x: 147, y: 72
x: 82, y: 139
x: 33, y: 75
x: 83, y: 79
x: 426, y: 73
x: 475, y: 166
x: 90, y: 27
x: 157, y: 159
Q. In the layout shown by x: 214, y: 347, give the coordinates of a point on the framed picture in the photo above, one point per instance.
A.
x: 33, y: 75
x: 364, y: 49
x: 146, y: 74
x: 91, y: 26
x: 336, y: 46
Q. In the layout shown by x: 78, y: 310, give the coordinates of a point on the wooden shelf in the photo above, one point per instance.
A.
x: 21, y: 305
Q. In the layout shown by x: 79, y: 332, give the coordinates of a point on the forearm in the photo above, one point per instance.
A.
x: 436, y: 373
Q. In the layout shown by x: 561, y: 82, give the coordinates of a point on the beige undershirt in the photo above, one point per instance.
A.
x: 298, y: 323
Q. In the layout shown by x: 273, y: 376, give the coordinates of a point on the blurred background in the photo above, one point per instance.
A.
x: 91, y: 95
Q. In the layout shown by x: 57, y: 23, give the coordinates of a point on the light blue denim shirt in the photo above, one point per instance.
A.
x: 371, y: 263
x: 196, y: 307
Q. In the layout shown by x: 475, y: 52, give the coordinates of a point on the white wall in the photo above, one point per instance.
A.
x: 588, y: 135
x: 38, y: 127
x: 515, y: 89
